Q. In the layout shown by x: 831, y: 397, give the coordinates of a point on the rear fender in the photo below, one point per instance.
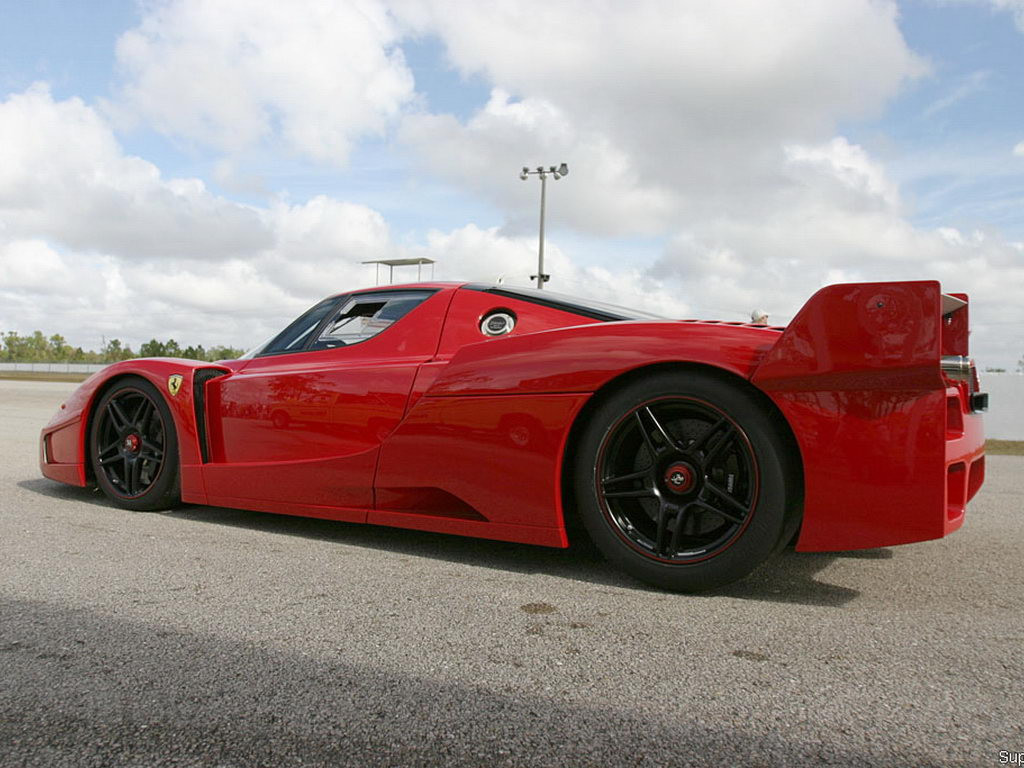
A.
x: 585, y: 358
x: 489, y: 435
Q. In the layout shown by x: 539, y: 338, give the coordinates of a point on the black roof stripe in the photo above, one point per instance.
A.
x: 566, y: 305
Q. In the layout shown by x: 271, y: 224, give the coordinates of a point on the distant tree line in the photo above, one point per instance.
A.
x: 39, y: 348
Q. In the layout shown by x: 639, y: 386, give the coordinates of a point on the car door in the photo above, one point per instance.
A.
x: 302, y: 423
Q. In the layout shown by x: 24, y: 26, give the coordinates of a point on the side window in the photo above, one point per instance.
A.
x: 363, y: 316
x: 295, y: 337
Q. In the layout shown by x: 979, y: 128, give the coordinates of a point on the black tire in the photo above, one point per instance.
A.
x: 133, y: 447
x: 701, y: 500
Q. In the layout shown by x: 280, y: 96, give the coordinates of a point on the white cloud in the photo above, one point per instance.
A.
x: 715, y: 124
x: 1014, y: 7
x: 63, y: 173
x: 710, y: 123
x: 486, y: 255
x: 320, y: 245
x: 602, y: 194
x: 708, y: 127
x: 94, y: 243
x: 837, y: 218
x: 848, y: 165
x: 231, y: 74
x: 42, y: 288
x: 89, y: 232
x: 1019, y: 149
x: 967, y: 86
x: 695, y: 98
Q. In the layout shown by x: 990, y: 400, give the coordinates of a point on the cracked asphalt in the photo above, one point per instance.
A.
x: 217, y: 637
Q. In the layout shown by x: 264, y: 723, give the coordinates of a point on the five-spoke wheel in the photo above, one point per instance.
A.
x: 133, y: 446
x: 682, y: 479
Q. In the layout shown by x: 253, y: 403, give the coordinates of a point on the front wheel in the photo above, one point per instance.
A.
x: 682, y: 480
x: 134, y: 447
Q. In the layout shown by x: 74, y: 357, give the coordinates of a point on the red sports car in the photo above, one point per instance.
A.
x: 690, y: 449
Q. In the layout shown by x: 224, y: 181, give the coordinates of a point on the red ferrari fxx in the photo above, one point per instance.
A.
x: 690, y: 450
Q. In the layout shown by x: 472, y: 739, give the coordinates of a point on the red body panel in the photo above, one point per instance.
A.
x: 468, y: 308
x: 432, y: 425
x: 490, y: 430
x: 583, y: 359
x: 857, y: 376
x: 497, y: 461
x: 306, y: 428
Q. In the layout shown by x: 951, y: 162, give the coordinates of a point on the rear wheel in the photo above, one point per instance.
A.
x: 681, y: 480
x: 134, y: 447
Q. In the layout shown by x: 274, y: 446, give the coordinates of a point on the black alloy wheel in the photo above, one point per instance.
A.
x: 677, y: 479
x: 134, y: 447
x: 683, y: 480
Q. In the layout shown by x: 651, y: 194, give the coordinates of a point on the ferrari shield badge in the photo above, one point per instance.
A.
x: 174, y: 383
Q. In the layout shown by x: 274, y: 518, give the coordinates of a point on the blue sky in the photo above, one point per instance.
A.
x: 218, y: 167
x: 947, y: 139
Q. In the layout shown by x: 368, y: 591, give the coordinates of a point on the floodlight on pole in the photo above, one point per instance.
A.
x: 557, y: 173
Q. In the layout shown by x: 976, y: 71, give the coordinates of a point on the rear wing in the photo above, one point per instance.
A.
x: 903, y: 336
x: 865, y: 336
x: 876, y: 382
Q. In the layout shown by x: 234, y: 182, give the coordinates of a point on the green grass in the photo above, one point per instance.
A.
x: 43, y: 376
x: 1005, y: 447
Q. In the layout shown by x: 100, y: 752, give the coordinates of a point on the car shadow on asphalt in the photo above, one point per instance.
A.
x: 54, y: 490
x: 789, y: 577
x: 97, y: 688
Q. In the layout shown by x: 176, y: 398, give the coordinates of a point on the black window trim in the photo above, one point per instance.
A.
x: 316, y: 331
x: 564, y: 306
x: 329, y: 316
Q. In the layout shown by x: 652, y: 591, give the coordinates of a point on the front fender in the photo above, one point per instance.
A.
x: 63, y: 454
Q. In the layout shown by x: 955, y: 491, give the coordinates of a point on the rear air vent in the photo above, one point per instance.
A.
x: 956, y: 490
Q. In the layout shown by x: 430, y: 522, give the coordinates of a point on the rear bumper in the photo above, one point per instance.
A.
x: 965, y: 460
x: 881, y: 471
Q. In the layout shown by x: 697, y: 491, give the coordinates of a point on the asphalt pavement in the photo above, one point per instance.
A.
x: 217, y: 637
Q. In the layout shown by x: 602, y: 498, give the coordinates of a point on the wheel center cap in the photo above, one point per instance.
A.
x: 679, y: 477
x: 132, y: 443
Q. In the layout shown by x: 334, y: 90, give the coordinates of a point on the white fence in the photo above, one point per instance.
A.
x: 1004, y: 420
x: 1005, y: 417
x: 53, y: 367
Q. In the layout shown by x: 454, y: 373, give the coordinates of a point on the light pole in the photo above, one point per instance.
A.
x: 557, y: 173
